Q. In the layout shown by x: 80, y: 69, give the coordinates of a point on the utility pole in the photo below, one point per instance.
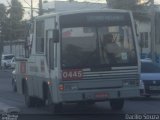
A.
x: 1, y: 43
x: 153, y: 40
x: 40, y: 7
x: 152, y: 2
x: 31, y: 10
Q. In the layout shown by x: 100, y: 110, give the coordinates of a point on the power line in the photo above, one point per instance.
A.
x: 22, y: 7
x: 8, y: 3
x: 27, y: 3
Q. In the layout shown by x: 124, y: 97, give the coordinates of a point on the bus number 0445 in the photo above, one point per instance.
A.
x: 72, y: 74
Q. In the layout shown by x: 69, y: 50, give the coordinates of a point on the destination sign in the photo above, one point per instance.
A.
x: 94, y: 19
x: 107, y: 18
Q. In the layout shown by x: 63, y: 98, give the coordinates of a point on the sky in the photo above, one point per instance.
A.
x: 35, y: 3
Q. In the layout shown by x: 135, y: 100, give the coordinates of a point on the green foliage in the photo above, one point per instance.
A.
x: 11, y: 24
x: 122, y: 4
x: 15, y: 15
x: 140, y: 11
x: 2, y: 26
x: 127, y: 4
x: 2, y: 12
x: 16, y: 11
x: 3, y: 20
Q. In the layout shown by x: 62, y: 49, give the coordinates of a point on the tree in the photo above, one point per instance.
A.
x: 2, y: 12
x: 16, y: 11
x: 122, y: 4
x: 3, y: 19
x: 15, y: 14
x: 140, y: 10
x: 2, y: 26
x: 127, y: 4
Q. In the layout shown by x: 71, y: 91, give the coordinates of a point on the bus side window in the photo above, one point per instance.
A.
x: 51, y: 54
x: 40, y: 36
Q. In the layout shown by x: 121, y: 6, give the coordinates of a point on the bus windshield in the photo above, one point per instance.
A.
x: 97, y: 41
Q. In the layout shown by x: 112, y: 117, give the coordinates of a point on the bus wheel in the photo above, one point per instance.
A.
x: 117, y: 104
x: 29, y: 101
x: 55, y: 108
x: 147, y: 96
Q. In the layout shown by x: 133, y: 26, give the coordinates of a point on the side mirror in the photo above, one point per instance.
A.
x: 55, y: 35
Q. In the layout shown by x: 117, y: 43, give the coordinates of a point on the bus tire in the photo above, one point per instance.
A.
x: 117, y: 104
x: 54, y: 107
x: 57, y: 108
x: 147, y: 96
x: 29, y: 101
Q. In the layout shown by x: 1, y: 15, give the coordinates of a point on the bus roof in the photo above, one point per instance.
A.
x: 80, y: 11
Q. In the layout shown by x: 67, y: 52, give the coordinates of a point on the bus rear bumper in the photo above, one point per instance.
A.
x: 100, y: 95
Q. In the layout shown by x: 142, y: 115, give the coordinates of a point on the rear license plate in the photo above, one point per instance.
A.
x: 101, y: 95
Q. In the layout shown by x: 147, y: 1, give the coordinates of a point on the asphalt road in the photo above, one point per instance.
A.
x: 138, y: 107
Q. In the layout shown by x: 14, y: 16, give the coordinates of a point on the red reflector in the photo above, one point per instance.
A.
x: 61, y: 87
x: 23, y: 67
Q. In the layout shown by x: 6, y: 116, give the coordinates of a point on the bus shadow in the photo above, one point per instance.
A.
x: 144, y: 98
x: 96, y: 109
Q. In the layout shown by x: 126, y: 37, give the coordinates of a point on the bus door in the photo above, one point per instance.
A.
x: 51, y: 55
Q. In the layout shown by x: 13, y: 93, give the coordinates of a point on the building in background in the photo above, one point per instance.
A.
x: 155, y: 36
x: 148, y: 37
x: 18, y: 48
x: 59, y: 6
x: 144, y: 37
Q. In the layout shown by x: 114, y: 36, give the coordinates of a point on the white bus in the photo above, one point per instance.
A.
x: 71, y: 61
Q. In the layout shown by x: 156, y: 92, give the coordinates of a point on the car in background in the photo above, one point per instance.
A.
x: 13, y: 63
x: 150, y: 78
x: 6, y: 60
